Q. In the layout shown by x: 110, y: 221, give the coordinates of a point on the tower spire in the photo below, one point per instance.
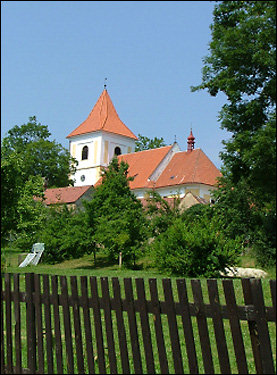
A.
x: 190, y: 141
x: 105, y: 84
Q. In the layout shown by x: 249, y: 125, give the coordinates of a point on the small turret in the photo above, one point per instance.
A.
x: 190, y: 141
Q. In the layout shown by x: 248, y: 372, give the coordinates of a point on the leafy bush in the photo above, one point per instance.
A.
x: 65, y: 235
x: 194, y: 249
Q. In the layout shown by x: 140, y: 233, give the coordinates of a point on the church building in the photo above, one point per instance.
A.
x: 168, y: 170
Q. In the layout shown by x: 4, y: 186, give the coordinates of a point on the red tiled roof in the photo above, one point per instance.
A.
x: 184, y: 168
x: 103, y: 117
x: 67, y: 194
x: 188, y: 167
x: 142, y: 164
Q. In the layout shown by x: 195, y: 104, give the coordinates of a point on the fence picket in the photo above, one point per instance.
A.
x: 30, y: 323
x: 252, y: 326
x: 2, y: 330
x: 88, y: 333
x: 235, y: 326
x: 133, y: 325
x: 220, y: 337
x: 108, y: 324
x: 67, y: 325
x: 145, y: 328
x: 187, y: 326
x: 158, y: 326
x: 202, y: 327
x: 17, y: 317
x: 173, y: 329
x: 48, y: 325
x: 77, y: 325
x: 8, y: 322
x: 57, y: 325
x: 263, y: 334
x: 121, y: 327
x: 98, y: 326
x: 38, y: 310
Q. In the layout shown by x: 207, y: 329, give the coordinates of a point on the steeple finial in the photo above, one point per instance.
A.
x: 190, y: 141
x: 105, y: 85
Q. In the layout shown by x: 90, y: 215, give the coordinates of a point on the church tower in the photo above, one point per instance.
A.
x: 98, y: 139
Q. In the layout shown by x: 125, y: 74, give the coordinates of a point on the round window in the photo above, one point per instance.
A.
x: 83, y: 177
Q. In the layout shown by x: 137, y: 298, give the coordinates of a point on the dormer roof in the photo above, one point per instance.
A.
x: 103, y: 117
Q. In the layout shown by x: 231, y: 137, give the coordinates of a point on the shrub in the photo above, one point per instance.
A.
x: 65, y: 235
x: 194, y: 250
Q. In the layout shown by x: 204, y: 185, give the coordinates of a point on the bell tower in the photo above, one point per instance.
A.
x: 98, y: 139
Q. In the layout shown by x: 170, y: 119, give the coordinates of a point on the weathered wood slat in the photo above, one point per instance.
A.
x: 77, y: 326
x: 17, y: 318
x: 108, y: 324
x: 48, y: 325
x: 87, y: 324
x: 220, y: 337
x: 235, y: 326
x: 202, y: 327
x: 263, y: 334
x: 173, y: 328
x: 272, y: 284
x: 67, y: 325
x: 158, y: 326
x: 132, y: 321
x: 8, y: 322
x: 121, y: 327
x: 57, y: 325
x: 2, y: 350
x: 252, y: 326
x: 187, y: 326
x: 98, y: 326
x: 145, y: 328
x: 39, y: 327
x: 30, y: 323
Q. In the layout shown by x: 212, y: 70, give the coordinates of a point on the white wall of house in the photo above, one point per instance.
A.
x: 101, y: 147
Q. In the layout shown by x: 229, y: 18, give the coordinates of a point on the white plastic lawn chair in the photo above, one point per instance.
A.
x: 34, y: 256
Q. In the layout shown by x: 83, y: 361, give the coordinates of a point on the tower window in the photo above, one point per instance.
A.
x: 117, y: 151
x: 85, y: 153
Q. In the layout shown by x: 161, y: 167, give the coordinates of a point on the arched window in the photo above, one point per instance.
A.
x: 85, y: 153
x: 117, y: 151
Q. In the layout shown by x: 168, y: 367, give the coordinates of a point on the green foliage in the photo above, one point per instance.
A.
x: 42, y: 157
x: 194, y: 248
x: 31, y: 213
x: 115, y: 215
x: 65, y: 235
x: 12, y: 182
x: 145, y: 143
x: 242, y: 65
x: 160, y: 212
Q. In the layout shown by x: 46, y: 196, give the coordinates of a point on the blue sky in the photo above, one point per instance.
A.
x: 55, y: 56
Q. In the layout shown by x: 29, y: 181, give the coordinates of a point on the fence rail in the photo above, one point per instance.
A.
x: 59, y: 324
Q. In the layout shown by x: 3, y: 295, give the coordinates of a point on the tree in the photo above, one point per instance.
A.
x: 12, y: 183
x: 242, y: 65
x: 42, y: 157
x: 145, y: 143
x: 116, y: 215
x: 65, y: 235
x: 31, y: 213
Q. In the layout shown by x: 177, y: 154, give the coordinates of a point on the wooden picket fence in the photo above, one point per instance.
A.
x: 88, y: 326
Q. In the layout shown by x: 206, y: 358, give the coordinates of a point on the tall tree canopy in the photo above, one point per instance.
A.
x: 242, y: 65
x: 115, y: 215
x: 41, y: 156
x: 145, y: 143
